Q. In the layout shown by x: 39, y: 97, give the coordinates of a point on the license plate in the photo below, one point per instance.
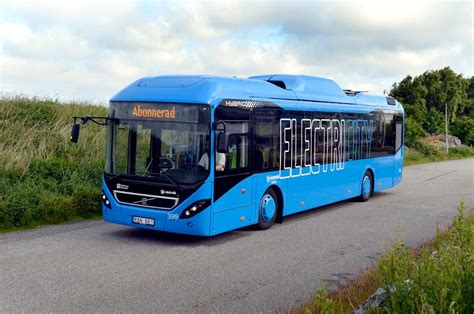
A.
x: 143, y: 221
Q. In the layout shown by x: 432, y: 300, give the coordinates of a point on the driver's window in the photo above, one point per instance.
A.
x: 120, y: 152
x: 236, y: 157
x: 142, y: 150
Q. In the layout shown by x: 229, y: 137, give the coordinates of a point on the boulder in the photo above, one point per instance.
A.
x: 439, y: 140
x: 376, y: 300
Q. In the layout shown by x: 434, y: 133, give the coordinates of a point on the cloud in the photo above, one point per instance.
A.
x: 89, y: 50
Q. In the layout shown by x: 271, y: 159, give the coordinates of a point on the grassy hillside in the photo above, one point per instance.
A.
x: 43, y: 177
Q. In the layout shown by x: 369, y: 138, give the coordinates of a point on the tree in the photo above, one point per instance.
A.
x: 464, y: 129
x: 413, y: 132
x: 446, y: 87
x: 434, y: 122
x: 424, y: 98
x: 469, y: 110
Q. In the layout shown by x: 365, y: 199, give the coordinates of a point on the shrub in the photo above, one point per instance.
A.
x: 53, y: 208
x: 439, y: 280
x: 56, y: 169
x: 462, y: 151
x: 4, y: 214
x: 86, y: 201
x: 20, y: 202
x: 413, y: 132
x: 412, y: 157
x: 426, y: 149
x: 464, y: 129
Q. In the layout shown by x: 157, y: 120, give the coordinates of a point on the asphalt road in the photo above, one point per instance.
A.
x: 96, y: 266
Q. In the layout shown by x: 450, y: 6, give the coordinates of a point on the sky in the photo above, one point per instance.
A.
x: 89, y: 50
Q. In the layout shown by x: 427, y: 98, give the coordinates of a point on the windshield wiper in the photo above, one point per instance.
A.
x: 176, y: 184
x: 148, y: 167
x: 113, y: 176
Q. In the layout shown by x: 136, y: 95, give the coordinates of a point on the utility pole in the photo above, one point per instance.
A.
x: 446, y: 126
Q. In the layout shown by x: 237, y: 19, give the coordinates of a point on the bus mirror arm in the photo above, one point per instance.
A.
x: 95, y: 119
x: 76, y: 127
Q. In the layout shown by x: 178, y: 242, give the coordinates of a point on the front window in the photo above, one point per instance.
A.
x: 162, y: 142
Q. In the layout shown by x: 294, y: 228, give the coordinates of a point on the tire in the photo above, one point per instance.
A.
x: 267, y: 209
x: 366, y: 187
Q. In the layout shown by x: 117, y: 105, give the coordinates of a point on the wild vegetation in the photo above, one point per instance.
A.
x: 425, y: 152
x: 437, y: 277
x: 424, y: 98
x: 43, y: 177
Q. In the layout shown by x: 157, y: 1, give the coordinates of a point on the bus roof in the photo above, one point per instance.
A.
x: 205, y: 89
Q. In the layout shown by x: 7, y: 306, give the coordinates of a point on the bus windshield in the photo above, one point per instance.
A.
x: 167, y: 148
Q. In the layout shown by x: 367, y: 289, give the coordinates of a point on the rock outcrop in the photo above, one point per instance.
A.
x: 440, y: 141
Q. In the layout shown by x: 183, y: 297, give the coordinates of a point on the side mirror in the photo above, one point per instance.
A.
x: 75, y: 132
x: 221, y: 143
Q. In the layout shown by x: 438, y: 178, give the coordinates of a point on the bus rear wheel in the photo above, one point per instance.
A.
x: 267, y: 209
x: 366, y: 187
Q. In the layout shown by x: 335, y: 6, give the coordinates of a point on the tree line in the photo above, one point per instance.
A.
x: 424, y: 98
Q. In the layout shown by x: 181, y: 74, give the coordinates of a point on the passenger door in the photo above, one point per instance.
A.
x: 232, y: 183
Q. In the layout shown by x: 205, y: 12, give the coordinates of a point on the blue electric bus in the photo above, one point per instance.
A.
x: 203, y: 155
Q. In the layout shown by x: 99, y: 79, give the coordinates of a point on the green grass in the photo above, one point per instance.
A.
x: 424, y: 152
x: 437, y: 277
x: 45, y: 179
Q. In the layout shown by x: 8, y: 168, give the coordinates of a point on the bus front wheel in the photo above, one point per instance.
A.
x: 366, y: 187
x: 267, y: 210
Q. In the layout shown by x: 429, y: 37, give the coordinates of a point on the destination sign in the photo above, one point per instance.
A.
x: 160, y: 112
x: 138, y: 111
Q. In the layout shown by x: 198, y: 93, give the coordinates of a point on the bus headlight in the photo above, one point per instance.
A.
x: 105, y: 200
x: 195, y: 208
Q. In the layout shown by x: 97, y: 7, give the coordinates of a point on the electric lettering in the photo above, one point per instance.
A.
x: 312, y: 146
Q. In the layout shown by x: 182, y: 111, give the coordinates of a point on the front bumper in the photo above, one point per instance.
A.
x: 167, y: 221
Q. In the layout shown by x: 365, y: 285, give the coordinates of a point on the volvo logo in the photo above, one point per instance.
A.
x: 144, y: 200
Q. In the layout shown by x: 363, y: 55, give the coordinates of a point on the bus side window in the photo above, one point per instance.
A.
x: 389, y: 140
x: 236, y: 156
x: 398, y: 131
x: 266, y: 144
x: 377, y: 136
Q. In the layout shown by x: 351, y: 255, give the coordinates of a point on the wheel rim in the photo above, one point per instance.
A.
x: 366, y: 186
x: 267, y: 207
